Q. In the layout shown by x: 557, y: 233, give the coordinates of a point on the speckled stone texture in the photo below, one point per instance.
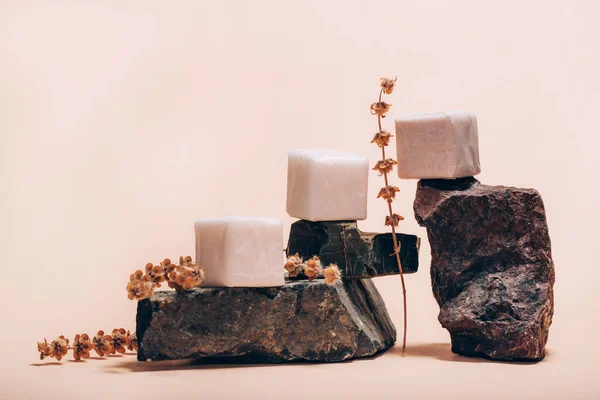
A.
x: 301, y: 321
x: 358, y: 254
x: 491, y: 266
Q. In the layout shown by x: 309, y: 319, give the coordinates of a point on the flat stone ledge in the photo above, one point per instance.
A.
x: 300, y: 321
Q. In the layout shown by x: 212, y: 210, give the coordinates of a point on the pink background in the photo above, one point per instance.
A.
x: 122, y: 122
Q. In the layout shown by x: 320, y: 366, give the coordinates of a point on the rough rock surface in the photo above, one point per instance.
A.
x: 301, y: 321
x: 358, y: 254
x: 491, y: 266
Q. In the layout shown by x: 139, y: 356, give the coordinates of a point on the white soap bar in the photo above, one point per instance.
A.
x: 327, y: 185
x: 240, y: 251
x: 437, y: 145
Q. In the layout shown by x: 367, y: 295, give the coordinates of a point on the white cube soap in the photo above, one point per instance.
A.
x: 240, y: 251
x: 437, y: 145
x: 327, y: 185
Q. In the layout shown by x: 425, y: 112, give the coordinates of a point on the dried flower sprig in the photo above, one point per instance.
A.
x: 384, y: 167
x: 311, y: 269
x: 44, y: 349
x: 294, y: 266
x: 332, y: 274
x: 82, y: 345
x: 140, y: 286
x: 156, y: 272
x: 387, y: 84
x: 182, y: 276
x: 102, y: 344
x: 119, y: 341
x: 380, y: 108
x: 133, y: 342
x: 388, y: 192
x: 394, y: 220
x: 382, y: 138
x: 59, y: 347
x: 185, y: 275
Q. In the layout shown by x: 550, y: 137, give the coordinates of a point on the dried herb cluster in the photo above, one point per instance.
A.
x: 117, y: 342
x: 311, y: 269
x: 384, y: 167
x: 181, y: 276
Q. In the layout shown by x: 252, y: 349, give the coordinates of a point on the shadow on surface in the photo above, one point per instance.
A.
x: 443, y: 351
x: 177, y: 365
x: 47, y: 364
x: 82, y: 361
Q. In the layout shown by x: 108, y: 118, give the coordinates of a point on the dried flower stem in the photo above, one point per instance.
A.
x: 387, y: 85
x: 182, y: 276
x: 311, y: 269
x: 102, y: 344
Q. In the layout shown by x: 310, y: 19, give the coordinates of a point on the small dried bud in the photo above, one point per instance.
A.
x: 332, y: 274
x: 156, y: 273
x: 193, y: 278
x: 44, y: 349
x: 380, y: 108
x: 312, y: 268
x: 382, y: 138
x: 81, y: 346
x: 385, y: 166
x: 59, y: 347
x: 140, y: 286
x: 102, y: 344
x: 186, y: 275
x: 137, y: 275
x: 166, y: 262
x: 388, y: 85
x: 176, y: 277
x: 394, y: 220
x: 388, y: 192
x: 133, y: 342
x: 294, y: 265
x: 119, y: 341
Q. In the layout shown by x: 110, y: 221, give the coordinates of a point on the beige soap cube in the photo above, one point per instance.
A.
x: 240, y: 251
x: 327, y: 185
x: 437, y: 145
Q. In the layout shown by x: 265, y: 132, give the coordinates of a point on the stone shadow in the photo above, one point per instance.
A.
x: 443, y: 352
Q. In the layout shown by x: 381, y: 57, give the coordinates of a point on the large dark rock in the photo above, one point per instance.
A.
x: 301, y: 321
x: 358, y: 254
x: 491, y: 266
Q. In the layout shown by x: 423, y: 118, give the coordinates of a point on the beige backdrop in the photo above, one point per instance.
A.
x: 122, y: 122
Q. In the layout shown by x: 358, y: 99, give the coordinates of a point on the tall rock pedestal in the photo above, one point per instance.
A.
x: 491, y: 266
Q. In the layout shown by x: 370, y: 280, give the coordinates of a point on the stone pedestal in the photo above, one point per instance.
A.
x: 358, y: 254
x: 491, y: 266
x: 301, y: 321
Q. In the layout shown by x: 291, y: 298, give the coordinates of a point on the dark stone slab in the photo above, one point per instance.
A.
x: 358, y: 254
x: 301, y: 321
x: 491, y: 266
